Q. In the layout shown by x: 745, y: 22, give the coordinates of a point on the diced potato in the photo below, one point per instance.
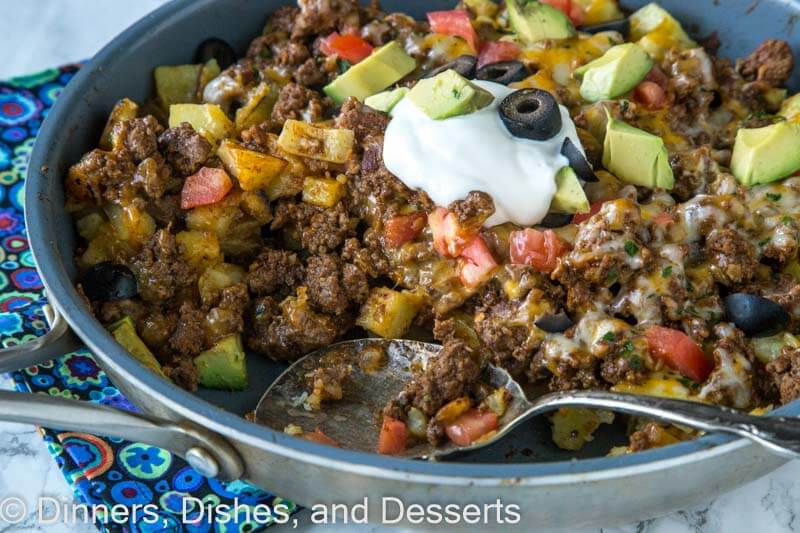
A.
x: 417, y: 423
x: 257, y: 108
x: 284, y: 186
x: 123, y: 111
x: 324, y: 192
x: 131, y: 224
x: 254, y: 170
x: 254, y: 204
x: 199, y: 248
x: 210, y: 71
x: 306, y: 140
x: 237, y: 232
x: 575, y: 426
x: 389, y: 313
x: 452, y: 410
x: 497, y: 401
x: 89, y: 225
x: 105, y: 246
x: 207, y: 119
x: 176, y: 84
x: 218, y: 277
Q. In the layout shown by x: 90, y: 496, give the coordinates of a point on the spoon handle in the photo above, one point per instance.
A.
x: 779, y: 434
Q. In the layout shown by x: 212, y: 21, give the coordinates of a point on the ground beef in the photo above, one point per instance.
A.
x: 772, y: 62
x: 275, y: 272
x: 783, y: 245
x: 160, y: 270
x: 183, y: 373
x: 292, y: 53
x: 188, y: 339
x: 785, y: 372
x: 282, y: 20
x: 652, y: 435
x: 333, y: 286
x: 363, y: 120
x: 318, y: 230
x: 731, y: 382
x: 473, y: 211
x: 694, y: 170
x: 370, y: 259
x: 449, y: 375
x: 99, y: 175
x: 311, y: 74
x: 153, y: 175
x: 140, y: 136
x: 110, y: 312
x: 733, y: 258
x: 184, y: 149
x: 156, y: 329
x: 297, y: 103
x: 323, y: 16
x: 166, y: 211
x: 227, y: 318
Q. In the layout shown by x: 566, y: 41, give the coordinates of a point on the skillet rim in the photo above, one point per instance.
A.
x: 63, y: 295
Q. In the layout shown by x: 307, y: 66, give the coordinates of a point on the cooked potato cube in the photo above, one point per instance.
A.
x: 199, y: 248
x: 389, y: 313
x: 123, y: 111
x: 89, y: 225
x: 284, y: 186
x: 218, y: 277
x: 237, y: 232
x: 452, y: 410
x: 257, y: 108
x: 131, y: 224
x: 575, y: 426
x: 254, y: 170
x: 209, y: 120
x: 323, y: 192
x: 176, y: 84
x: 105, y: 246
x: 306, y: 140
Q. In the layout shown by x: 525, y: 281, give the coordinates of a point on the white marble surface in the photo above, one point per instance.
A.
x: 45, y: 33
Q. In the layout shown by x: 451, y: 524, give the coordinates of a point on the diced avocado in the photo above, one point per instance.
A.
x: 656, y: 31
x: 769, y: 348
x: 449, y: 94
x: 636, y: 156
x: 386, y: 66
x: 618, y: 71
x: 386, y: 100
x: 224, y: 365
x: 762, y: 155
x: 124, y: 332
x: 534, y: 21
x: 569, y: 197
x: 790, y: 109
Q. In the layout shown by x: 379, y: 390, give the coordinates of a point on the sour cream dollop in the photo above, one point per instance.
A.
x: 450, y: 158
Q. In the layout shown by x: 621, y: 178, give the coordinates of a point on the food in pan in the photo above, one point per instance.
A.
x: 585, y: 198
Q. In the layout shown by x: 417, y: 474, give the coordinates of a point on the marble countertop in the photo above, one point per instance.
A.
x: 46, y: 33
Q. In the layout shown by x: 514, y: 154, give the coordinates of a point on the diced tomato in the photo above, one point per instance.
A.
x: 449, y: 239
x: 471, y: 426
x: 650, y: 95
x: 538, y: 249
x: 320, y: 438
x: 402, y: 229
x: 348, y: 46
x: 663, y: 219
x: 477, y: 263
x: 570, y: 8
x: 456, y: 23
x: 678, y: 351
x: 393, y: 437
x: 657, y: 76
x: 496, y: 51
x: 208, y: 186
x: 593, y: 210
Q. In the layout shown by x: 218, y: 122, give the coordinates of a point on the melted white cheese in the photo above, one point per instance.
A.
x: 450, y: 158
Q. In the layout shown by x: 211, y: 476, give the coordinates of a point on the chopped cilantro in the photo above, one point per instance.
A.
x: 456, y: 93
x: 636, y: 362
x: 627, y: 348
x: 689, y: 287
x: 612, y: 275
x: 773, y: 196
x: 764, y: 242
x: 787, y: 219
x: 688, y: 383
x: 610, y: 336
x: 631, y: 248
x: 344, y: 65
x: 666, y: 272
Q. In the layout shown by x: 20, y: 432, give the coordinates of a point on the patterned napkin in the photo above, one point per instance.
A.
x: 102, y: 471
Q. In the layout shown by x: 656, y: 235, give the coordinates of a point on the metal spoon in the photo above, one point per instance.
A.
x: 354, y: 421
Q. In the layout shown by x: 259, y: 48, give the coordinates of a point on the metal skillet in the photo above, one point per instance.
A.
x: 213, y: 435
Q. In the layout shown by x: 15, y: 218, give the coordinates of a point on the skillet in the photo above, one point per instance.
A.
x: 207, y: 427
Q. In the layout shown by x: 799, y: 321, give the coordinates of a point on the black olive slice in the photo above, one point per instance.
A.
x: 755, y: 315
x: 531, y: 114
x: 556, y: 220
x: 464, y: 65
x: 105, y: 282
x: 557, y: 323
x: 622, y: 26
x: 504, y: 72
x: 216, y: 49
x: 577, y: 161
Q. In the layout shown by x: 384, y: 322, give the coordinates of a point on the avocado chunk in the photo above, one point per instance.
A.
x: 569, y: 197
x: 449, y: 94
x: 618, y: 71
x: 124, y: 332
x: 636, y: 156
x: 386, y: 100
x: 762, y: 155
x: 386, y: 66
x: 224, y: 365
x: 534, y: 21
x: 656, y: 31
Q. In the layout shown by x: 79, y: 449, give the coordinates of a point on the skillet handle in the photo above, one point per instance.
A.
x: 208, y: 453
